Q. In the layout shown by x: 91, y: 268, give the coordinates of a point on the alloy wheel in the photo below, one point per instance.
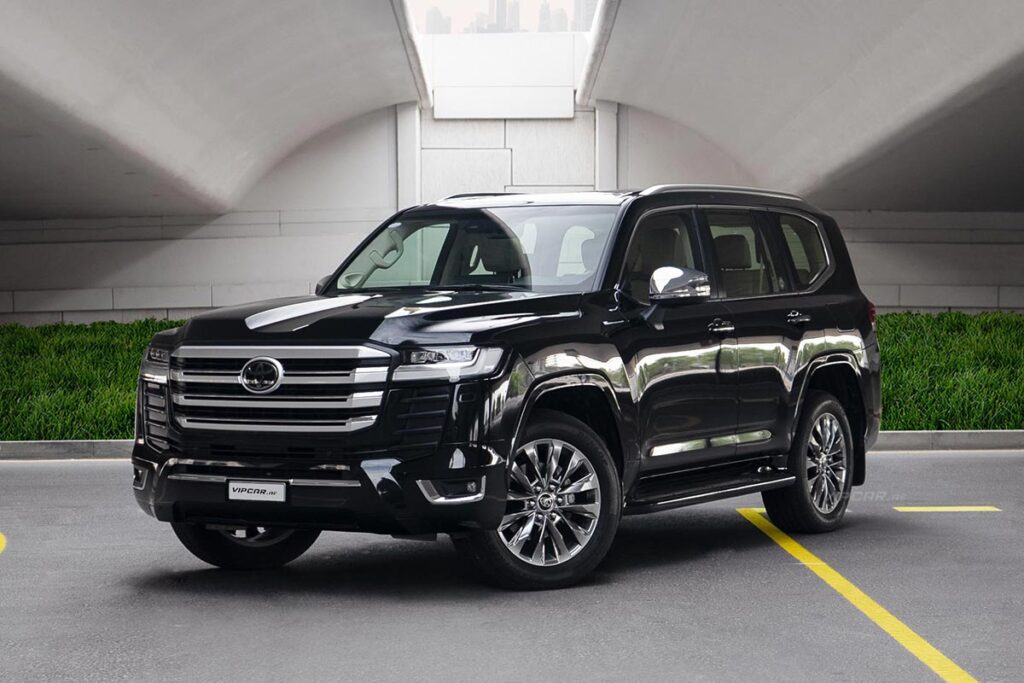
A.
x: 826, y: 463
x: 553, y: 504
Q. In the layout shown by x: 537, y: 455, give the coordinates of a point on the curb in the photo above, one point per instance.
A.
x: 981, y: 440
x: 64, y: 450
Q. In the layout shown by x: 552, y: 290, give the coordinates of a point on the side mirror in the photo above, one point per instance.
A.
x: 670, y: 284
x: 322, y: 283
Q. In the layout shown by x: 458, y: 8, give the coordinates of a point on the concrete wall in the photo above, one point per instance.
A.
x: 937, y: 261
x: 301, y: 219
x: 654, y: 150
x: 296, y: 224
x: 507, y: 155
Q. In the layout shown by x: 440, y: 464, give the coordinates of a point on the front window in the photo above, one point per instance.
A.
x: 535, y: 248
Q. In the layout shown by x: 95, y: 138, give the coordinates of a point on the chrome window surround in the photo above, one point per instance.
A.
x: 815, y: 285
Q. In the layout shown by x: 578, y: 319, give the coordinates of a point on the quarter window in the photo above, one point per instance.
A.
x: 745, y: 265
x: 803, y: 240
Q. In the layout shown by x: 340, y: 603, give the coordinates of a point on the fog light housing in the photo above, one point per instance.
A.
x: 452, y: 491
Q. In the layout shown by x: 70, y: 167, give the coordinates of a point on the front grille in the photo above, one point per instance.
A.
x: 323, y: 389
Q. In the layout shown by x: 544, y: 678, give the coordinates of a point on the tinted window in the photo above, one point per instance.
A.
x: 745, y: 265
x: 664, y: 239
x: 805, y: 247
x: 539, y: 248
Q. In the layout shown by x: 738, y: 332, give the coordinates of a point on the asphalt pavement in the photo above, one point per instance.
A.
x: 93, y: 589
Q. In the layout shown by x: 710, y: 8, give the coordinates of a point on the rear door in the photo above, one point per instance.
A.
x: 753, y: 282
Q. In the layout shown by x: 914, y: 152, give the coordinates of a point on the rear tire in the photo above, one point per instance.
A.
x: 822, y: 460
x: 562, y: 511
x: 250, y: 548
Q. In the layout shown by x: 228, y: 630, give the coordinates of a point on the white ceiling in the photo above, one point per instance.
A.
x: 815, y: 97
x: 127, y: 107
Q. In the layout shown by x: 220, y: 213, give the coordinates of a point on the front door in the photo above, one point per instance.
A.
x: 685, y: 407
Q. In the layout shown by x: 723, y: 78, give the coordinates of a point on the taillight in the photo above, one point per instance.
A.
x: 872, y: 315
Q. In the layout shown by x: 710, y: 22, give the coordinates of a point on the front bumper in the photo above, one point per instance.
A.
x: 375, y: 493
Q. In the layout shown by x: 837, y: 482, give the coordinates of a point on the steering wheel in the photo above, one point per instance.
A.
x: 397, y: 247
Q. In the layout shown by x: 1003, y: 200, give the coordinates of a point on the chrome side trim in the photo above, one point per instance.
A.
x: 679, y: 447
x: 735, y: 490
x: 435, y: 498
x: 744, y: 438
x: 298, y: 426
x: 375, y: 375
x: 362, y: 399
x: 700, y: 444
x: 333, y: 352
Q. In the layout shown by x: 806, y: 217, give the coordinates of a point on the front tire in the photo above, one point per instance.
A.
x: 822, y: 461
x: 562, y: 509
x: 252, y: 547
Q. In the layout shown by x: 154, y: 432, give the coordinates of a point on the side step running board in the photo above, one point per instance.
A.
x: 666, y: 500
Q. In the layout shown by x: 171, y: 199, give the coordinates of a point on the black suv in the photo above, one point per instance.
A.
x: 518, y: 371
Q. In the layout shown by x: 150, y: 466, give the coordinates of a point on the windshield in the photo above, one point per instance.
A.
x: 535, y: 248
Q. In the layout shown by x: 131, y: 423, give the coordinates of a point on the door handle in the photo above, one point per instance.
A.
x: 798, y: 318
x: 719, y: 326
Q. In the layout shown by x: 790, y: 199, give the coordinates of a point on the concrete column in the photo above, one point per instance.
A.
x: 606, y: 145
x: 408, y: 153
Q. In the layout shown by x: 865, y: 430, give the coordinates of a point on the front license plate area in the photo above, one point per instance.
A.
x: 262, y: 491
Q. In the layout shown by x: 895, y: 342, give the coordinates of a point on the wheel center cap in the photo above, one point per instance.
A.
x: 545, y: 501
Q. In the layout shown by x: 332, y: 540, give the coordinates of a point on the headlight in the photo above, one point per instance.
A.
x: 448, y: 363
x: 155, y: 365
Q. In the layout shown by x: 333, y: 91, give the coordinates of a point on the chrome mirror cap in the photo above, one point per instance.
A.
x: 669, y: 283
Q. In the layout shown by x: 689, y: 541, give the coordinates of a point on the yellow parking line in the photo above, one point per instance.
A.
x: 947, y: 508
x: 3, y: 542
x: 942, y: 665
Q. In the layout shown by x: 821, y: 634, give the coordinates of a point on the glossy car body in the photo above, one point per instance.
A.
x: 696, y: 401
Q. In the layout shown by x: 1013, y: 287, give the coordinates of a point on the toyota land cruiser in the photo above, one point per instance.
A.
x: 518, y: 371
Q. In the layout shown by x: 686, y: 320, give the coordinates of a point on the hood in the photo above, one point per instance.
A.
x: 388, y: 317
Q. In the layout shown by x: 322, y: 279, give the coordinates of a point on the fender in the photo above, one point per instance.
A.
x: 624, y: 421
x: 826, y: 359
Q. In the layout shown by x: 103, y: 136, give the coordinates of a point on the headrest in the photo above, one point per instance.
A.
x: 658, y: 239
x: 733, y: 252
x: 591, y: 252
x: 500, y: 254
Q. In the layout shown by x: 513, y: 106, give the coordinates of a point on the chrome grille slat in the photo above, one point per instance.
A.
x: 374, y: 375
x: 322, y: 389
x: 259, y: 426
x: 280, y: 352
x: 366, y: 399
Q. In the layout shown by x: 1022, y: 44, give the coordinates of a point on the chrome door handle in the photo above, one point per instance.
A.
x: 719, y: 326
x: 797, y: 318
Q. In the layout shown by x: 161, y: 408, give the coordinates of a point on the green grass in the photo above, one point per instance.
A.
x: 952, y: 371
x: 946, y: 371
x: 71, y: 381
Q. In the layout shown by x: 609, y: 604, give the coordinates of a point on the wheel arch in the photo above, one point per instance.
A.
x: 590, y: 398
x: 839, y: 375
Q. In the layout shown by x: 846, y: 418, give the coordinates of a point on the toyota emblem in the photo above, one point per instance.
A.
x: 261, y: 375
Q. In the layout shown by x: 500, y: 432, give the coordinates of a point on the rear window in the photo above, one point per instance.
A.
x: 803, y: 240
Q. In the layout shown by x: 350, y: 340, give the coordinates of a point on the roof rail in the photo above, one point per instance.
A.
x: 466, y: 195
x: 661, y: 189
